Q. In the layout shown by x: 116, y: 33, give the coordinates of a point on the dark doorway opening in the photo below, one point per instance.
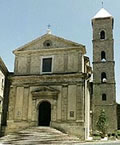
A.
x: 44, y: 116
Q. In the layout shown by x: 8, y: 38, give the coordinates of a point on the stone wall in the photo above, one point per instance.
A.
x: 67, y: 106
x: 63, y: 87
x: 118, y: 116
x: 104, y: 85
x: 62, y: 62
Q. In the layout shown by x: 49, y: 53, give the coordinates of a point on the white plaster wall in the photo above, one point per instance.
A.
x: 87, y: 111
x: 2, y: 86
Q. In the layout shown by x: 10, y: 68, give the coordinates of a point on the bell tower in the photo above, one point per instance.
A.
x: 104, y: 90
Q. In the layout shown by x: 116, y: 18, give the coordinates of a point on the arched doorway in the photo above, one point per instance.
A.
x: 44, y: 116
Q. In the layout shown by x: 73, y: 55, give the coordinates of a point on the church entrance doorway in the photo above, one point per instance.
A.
x: 44, y: 116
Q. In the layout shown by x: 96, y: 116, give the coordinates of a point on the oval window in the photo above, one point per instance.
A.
x: 47, y: 43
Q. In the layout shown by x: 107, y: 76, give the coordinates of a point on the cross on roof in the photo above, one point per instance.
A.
x: 48, y: 30
x: 102, y: 4
x: 49, y: 26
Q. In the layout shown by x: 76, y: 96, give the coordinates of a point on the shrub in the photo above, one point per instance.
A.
x: 102, y: 124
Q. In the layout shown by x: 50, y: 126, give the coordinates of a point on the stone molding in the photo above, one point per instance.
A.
x: 52, y: 50
x: 45, y: 91
x: 53, y: 37
x: 47, y: 79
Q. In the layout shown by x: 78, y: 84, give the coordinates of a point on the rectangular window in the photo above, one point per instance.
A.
x: 47, y: 65
x: 71, y: 113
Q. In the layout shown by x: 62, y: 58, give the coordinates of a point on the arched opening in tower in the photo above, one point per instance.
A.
x: 102, y: 34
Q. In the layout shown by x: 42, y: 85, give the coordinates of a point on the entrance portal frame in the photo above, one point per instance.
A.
x: 40, y: 95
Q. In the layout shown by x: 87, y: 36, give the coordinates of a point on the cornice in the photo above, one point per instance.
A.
x: 47, y: 36
x: 39, y: 79
x: 51, y: 50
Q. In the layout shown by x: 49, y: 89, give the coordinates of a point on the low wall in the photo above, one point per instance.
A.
x: 74, y: 129
x: 15, y: 126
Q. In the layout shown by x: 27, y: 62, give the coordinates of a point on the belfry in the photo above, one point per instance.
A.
x: 104, y: 90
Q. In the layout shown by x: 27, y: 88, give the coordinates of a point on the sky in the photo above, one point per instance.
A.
x: 24, y: 20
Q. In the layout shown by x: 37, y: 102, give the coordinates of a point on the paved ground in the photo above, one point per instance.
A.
x: 46, y: 135
x: 102, y: 143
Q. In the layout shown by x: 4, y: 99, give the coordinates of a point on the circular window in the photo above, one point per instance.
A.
x: 47, y: 43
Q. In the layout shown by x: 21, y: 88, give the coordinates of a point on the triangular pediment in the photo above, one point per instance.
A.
x: 45, y: 92
x: 48, y: 41
x: 45, y: 89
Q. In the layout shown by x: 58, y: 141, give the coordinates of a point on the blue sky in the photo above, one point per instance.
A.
x: 24, y: 20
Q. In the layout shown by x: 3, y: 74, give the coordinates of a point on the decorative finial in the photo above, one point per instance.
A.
x: 49, y: 26
x: 49, y: 30
x: 102, y: 4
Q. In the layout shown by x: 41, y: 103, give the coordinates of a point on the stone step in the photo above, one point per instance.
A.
x: 39, y: 135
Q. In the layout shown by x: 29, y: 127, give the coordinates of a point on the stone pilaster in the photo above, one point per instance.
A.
x: 80, y: 65
x: 59, y: 105
x: 64, y: 102
x: 19, y: 103
x: 34, y: 110
x: 28, y: 64
x: 11, y: 108
x: 71, y: 102
x: 80, y: 102
x: 54, y: 113
x: 66, y: 62
x: 25, y: 103
x: 30, y: 105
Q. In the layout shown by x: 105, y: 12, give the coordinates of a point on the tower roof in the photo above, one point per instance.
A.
x: 102, y: 13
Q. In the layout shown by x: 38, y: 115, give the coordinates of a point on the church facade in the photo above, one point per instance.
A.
x: 51, y: 83
x: 50, y: 86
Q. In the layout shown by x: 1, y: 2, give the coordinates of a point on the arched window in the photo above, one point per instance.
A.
x: 102, y: 34
x: 103, y: 77
x: 103, y: 56
x: 104, y: 97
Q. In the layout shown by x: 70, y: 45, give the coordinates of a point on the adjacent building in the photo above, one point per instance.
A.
x: 3, y: 78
